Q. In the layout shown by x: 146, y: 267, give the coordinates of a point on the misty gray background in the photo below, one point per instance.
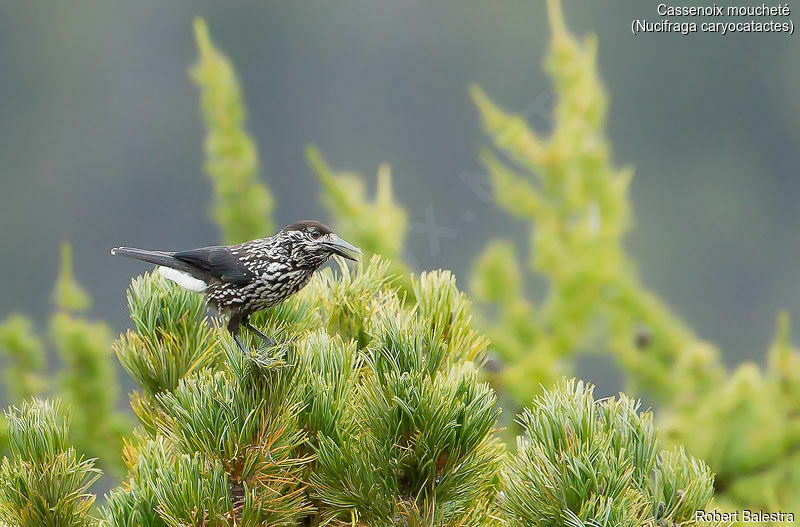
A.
x: 101, y: 138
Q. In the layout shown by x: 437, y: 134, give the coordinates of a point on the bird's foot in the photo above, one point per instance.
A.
x: 268, y: 342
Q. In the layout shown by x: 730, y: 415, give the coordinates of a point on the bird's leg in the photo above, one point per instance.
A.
x: 269, y: 342
x: 233, y: 328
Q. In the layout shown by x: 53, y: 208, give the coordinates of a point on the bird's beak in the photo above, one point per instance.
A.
x: 339, y: 246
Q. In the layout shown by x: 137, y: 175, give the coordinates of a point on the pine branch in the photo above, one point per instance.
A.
x: 565, y: 184
x: 243, y: 205
x: 587, y: 462
x: 135, y: 503
x: 171, y: 339
x: 417, y: 447
x: 744, y: 424
x: 45, y: 483
x: 171, y: 335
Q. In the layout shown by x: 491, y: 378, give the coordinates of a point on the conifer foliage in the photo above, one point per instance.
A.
x: 44, y: 482
x: 587, y: 462
x: 370, y: 411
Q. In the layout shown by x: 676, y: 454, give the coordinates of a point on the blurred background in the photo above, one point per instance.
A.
x: 101, y: 139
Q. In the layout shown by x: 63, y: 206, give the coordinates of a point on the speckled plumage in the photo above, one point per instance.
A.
x: 239, y: 280
x: 279, y: 267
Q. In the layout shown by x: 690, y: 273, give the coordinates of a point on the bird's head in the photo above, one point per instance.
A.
x: 317, y: 242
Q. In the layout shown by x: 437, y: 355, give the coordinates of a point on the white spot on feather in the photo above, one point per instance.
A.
x: 185, y: 280
x: 274, y: 267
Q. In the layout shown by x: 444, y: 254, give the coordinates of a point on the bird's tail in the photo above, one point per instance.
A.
x: 154, y: 257
x: 169, y: 267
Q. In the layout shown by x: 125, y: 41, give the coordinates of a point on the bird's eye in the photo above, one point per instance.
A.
x: 315, y: 233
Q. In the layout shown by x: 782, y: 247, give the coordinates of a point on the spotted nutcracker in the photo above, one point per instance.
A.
x: 239, y: 280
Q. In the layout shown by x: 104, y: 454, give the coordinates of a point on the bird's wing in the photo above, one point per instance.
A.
x: 218, y: 262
